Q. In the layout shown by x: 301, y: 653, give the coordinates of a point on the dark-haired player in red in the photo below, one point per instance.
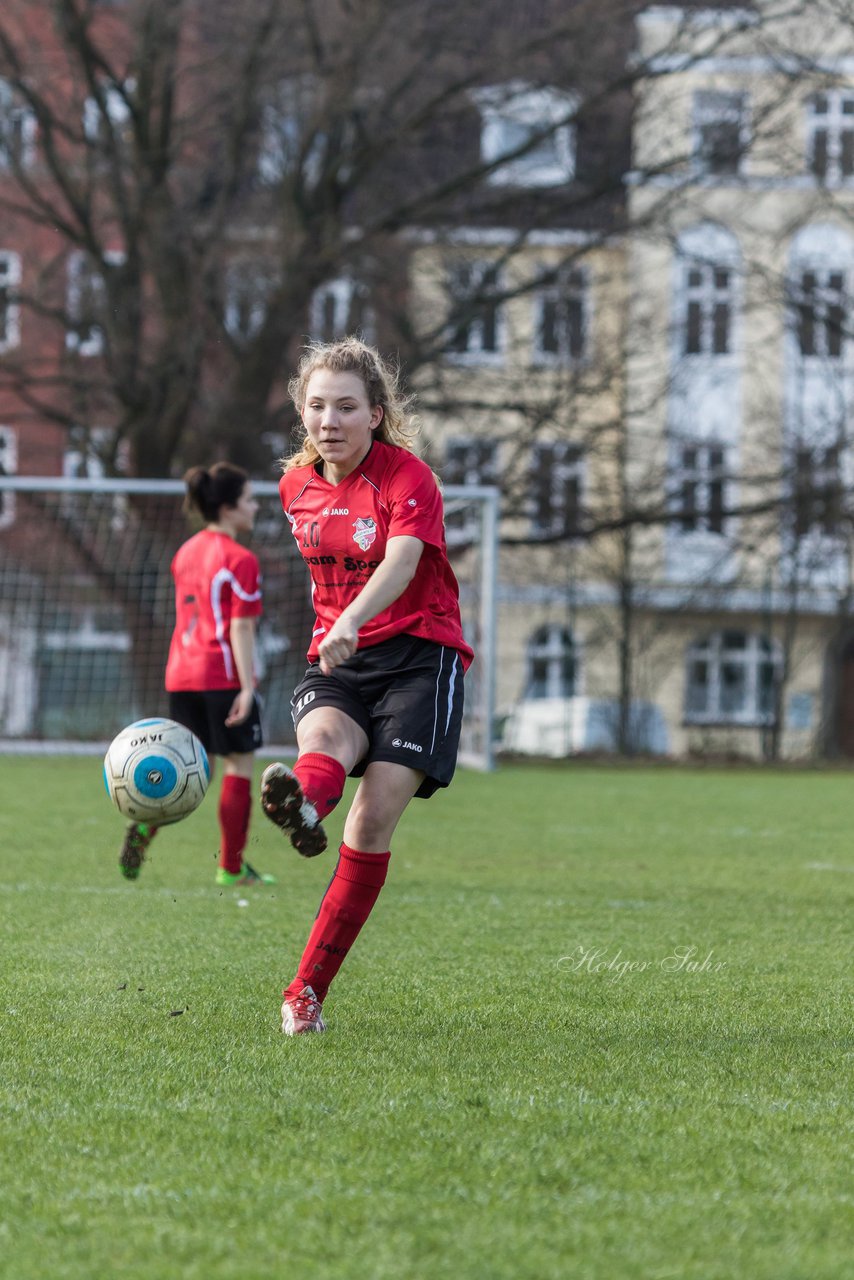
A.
x: 210, y: 674
x: 382, y: 698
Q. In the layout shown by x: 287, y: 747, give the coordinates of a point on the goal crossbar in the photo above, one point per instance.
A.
x: 84, y: 561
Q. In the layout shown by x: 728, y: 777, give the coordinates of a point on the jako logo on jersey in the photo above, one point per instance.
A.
x: 407, y: 746
x: 412, y: 502
x: 336, y: 511
x: 366, y: 532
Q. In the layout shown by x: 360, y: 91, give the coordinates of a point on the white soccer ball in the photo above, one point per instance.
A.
x: 156, y: 771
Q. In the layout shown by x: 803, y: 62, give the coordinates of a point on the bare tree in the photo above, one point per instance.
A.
x: 209, y: 169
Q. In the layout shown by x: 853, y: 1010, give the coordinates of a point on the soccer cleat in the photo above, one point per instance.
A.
x: 284, y: 804
x: 138, y: 837
x: 302, y: 1013
x: 246, y: 876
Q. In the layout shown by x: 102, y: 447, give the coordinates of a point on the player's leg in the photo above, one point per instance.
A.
x: 330, y: 743
x: 187, y: 709
x: 412, y: 693
x: 237, y: 744
x: 382, y: 795
x: 233, y: 812
x: 138, y: 836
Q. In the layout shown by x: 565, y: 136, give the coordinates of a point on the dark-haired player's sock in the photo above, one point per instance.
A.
x: 346, y: 905
x: 235, y: 805
x: 322, y: 781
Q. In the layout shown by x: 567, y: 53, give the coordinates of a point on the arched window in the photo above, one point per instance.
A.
x: 730, y: 678
x: 708, y: 261
x: 821, y: 265
x: 552, y: 663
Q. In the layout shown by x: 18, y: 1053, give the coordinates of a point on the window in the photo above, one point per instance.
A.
x: 467, y: 461
x: 560, y: 318
x: 700, y: 488
x: 820, y: 312
x: 817, y: 491
x: 248, y: 285
x: 551, y: 661
x: 86, y: 303
x: 830, y: 136
x: 8, y: 467
x: 17, y: 131
x: 108, y: 117
x: 341, y: 307
x: 721, y: 133
x: 84, y: 459
x: 557, y: 485
x: 476, y: 319
x: 91, y: 454
x: 707, y: 321
x: 533, y: 129
x: 286, y: 143
x: 731, y: 679
x: 10, y: 308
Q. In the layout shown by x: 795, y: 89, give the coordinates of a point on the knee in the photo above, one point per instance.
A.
x: 320, y: 741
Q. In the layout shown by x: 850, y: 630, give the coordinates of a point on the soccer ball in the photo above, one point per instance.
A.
x: 156, y: 771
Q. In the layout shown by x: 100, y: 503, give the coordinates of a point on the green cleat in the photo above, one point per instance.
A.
x: 246, y: 876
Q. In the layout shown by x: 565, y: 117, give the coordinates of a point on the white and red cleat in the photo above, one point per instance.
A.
x: 302, y: 1013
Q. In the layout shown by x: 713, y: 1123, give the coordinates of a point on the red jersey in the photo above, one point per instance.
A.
x: 342, y: 530
x: 216, y: 579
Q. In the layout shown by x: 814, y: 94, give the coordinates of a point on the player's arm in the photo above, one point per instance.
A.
x: 386, y: 584
x: 242, y: 636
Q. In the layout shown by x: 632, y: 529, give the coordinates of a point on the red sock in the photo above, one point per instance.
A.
x: 322, y: 781
x: 235, y: 805
x: 346, y: 905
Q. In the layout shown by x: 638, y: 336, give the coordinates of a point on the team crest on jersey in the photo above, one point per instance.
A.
x: 366, y: 532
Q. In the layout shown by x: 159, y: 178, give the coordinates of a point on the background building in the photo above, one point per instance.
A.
x: 613, y: 253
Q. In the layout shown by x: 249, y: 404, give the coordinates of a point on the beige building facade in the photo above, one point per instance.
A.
x: 688, y: 589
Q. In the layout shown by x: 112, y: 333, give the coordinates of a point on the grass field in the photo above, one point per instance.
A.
x: 598, y: 1027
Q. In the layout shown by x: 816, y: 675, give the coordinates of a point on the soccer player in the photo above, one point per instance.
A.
x: 210, y: 670
x: 382, y: 698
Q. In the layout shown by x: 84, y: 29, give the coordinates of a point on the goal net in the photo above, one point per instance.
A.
x: 87, y: 608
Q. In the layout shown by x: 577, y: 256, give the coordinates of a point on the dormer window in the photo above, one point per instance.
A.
x: 532, y: 131
x: 721, y: 133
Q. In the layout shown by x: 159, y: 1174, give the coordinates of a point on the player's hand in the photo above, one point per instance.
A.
x: 339, y: 644
x: 241, y: 708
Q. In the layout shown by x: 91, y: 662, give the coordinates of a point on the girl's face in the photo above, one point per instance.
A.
x: 339, y: 420
x: 242, y: 514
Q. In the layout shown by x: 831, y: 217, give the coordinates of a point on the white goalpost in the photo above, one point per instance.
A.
x: 86, y: 608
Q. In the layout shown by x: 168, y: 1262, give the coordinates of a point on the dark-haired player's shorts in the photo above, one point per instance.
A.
x: 204, y: 715
x: 407, y: 695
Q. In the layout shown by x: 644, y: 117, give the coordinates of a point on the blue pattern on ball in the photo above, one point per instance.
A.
x: 155, y: 777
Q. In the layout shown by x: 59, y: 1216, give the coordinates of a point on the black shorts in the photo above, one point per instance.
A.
x: 204, y: 715
x: 407, y: 695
